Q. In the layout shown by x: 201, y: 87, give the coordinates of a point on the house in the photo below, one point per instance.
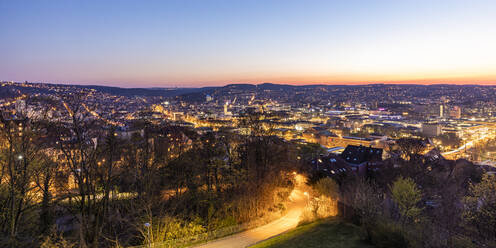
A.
x: 356, y: 159
x: 362, y: 157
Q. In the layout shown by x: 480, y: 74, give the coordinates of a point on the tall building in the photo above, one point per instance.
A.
x: 441, y: 111
x: 226, y: 112
x: 431, y: 129
x: 456, y: 112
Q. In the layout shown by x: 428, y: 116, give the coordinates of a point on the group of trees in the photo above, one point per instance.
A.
x: 84, y: 182
x: 386, y: 129
x: 418, y: 201
x: 449, y: 141
x: 482, y: 150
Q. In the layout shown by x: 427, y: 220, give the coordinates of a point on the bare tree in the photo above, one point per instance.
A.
x: 19, y: 152
x: 366, y: 201
x: 44, y: 179
x: 89, y: 152
x: 410, y: 148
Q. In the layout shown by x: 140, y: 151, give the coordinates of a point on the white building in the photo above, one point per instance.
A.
x: 431, y: 129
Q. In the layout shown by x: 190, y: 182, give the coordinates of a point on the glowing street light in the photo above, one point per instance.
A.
x: 308, y: 196
x: 147, y: 225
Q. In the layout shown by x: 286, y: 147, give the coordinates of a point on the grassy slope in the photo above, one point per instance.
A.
x: 326, y: 233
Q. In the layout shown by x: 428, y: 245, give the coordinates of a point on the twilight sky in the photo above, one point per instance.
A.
x: 206, y: 42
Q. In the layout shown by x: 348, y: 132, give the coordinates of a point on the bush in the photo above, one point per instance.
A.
x: 465, y: 242
x: 56, y: 240
x: 327, y: 187
x: 308, y: 215
x: 319, y: 208
x: 326, y: 207
x: 407, y: 196
x: 225, y: 222
x: 169, y: 228
x: 387, y: 236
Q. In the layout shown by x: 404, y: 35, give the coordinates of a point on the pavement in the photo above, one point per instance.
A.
x: 247, y: 238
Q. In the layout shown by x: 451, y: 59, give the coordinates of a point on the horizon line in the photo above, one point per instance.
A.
x: 406, y: 82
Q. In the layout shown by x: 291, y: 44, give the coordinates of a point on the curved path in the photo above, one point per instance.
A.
x: 253, y: 236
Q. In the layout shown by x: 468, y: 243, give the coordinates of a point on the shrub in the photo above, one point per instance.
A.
x: 327, y: 187
x: 56, y: 240
x: 326, y: 207
x: 169, y: 228
x: 307, y: 216
x: 225, y: 222
x: 407, y: 196
x: 387, y: 235
x: 465, y: 242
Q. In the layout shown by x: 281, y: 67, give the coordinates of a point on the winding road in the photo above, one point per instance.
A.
x: 298, y: 201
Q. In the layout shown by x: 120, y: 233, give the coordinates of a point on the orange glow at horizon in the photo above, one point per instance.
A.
x: 285, y: 42
x: 336, y: 80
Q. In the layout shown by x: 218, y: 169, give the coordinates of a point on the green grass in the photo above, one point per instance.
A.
x: 330, y: 233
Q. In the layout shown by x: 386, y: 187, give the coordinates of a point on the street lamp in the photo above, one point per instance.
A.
x: 147, y: 225
x: 308, y: 196
x: 20, y: 157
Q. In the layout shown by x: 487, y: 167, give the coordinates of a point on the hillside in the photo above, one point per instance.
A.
x: 320, y: 234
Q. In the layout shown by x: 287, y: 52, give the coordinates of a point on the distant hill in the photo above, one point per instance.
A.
x: 304, y: 93
x: 17, y: 88
x: 165, y: 92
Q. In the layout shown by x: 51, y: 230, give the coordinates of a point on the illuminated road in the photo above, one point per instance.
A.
x: 459, y: 149
x: 483, y: 135
x: 253, y: 236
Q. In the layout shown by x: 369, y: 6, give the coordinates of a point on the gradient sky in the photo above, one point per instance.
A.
x: 196, y: 43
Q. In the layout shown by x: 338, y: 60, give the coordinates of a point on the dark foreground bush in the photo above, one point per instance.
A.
x: 387, y: 236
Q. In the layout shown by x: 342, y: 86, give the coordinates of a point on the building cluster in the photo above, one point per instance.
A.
x: 333, y: 116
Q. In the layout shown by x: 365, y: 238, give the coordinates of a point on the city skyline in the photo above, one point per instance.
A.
x: 214, y: 43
